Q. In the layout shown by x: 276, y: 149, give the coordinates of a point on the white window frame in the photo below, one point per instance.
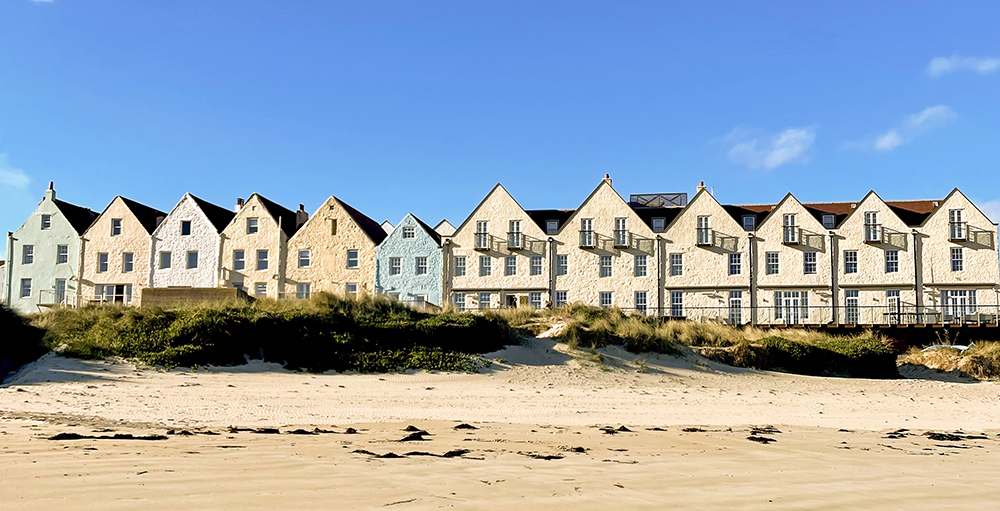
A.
x: 102, y: 262
x: 536, y: 265
x: 165, y: 257
x: 676, y: 264
x: 239, y: 260
x: 307, y: 259
x: 832, y: 223
x: 351, y: 290
x: 641, y: 265
x: 46, y: 222
x: 892, y: 261
x: 460, y: 268
x: 535, y: 299
x: 116, y: 226
x: 458, y: 299
x: 736, y: 263
x: 751, y: 219
x: 605, y: 299
x: 420, y: 265
x: 510, y: 266
x: 128, y: 262
x: 562, y: 264
x: 768, y: 263
x: 957, y: 259
x: 257, y: 289
x: 353, y: 258
x: 809, y: 263
x: 676, y: 304
x: 659, y: 224
x: 606, y: 266
x: 485, y: 266
x: 187, y: 260
x: 562, y: 299
x: 484, y: 299
x: 27, y: 254
x: 409, y: 232
x: 735, y: 307
x: 303, y: 290
x: 25, y: 288
x: 62, y: 254
x: 551, y: 226
x: 395, y: 265
x: 253, y: 225
x: 641, y: 301
x: 850, y: 262
x: 262, y: 262
x: 185, y: 223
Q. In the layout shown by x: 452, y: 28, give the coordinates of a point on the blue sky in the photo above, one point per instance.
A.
x: 422, y: 106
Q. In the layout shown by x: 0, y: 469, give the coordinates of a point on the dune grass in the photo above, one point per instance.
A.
x: 981, y: 361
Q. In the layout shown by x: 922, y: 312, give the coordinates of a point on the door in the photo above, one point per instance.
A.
x: 512, y: 301
x: 792, y: 307
x: 957, y: 305
x: 892, y: 299
x: 61, y: 291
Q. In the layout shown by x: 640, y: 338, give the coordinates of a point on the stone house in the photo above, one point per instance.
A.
x: 408, y: 264
x: 43, y: 255
x: 255, y: 245
x: 186, y: 246
x: 116, y: 253
x: 334, y: 251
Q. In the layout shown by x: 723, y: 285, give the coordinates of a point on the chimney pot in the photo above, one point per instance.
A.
x: 239, y: 204
x: 302, y: 207
x: 51, y: 185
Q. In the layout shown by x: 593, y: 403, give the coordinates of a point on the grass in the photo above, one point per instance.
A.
x: 22, y: 342
x: 981, y: 361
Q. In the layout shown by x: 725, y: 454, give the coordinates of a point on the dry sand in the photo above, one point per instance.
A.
x: 836, y: 443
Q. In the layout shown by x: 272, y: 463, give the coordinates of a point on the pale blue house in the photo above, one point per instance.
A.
x: 408, y: 264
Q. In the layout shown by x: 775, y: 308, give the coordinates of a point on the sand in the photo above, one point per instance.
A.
x: 541, y: 416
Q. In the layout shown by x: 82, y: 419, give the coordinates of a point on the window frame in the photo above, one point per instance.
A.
x: 957, y: 263
x: 262, y: 262
x: 832, y: 224
x: 662, y: 224
x: 643, y: 304
x: 348, y: 292
x: 62, y: 254
x: 752, y: 220
x: 562, y: 264
x: 536, y: 263
x: 606, y: 267
x: 303, y: 290
x: 27, y: 254
x: 485, y: 266
x: 484, y: 305
x: 185, y: 226
x: 116, y: 227
x: 308, y: 257
x: 165, y: 257
x: 46, y: 223
x: 420, y: 266
x: 355, y: 261
x: 460, y: 269
x: 601, y: 295
x: 562, y: 299
x: 102, y: 262
x: 458, y: 300
x: 128, y: 262
x: 737, y: 264
x: 768, y: 263
x: 850, y: 267
x: 25, y: 288
x: 810, y: 267
x: 551, y: 226
x: 676, y: 260
x: 510, y: 266
x: 239, y: 263
x: 395, y: 266
x: 187, y: 260
x: 892, y: 261
x: 253, y: 225
x: 641, y: 264
x: 257, y: 289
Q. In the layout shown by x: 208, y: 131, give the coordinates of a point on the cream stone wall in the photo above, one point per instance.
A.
x: 204, y: 239
x: 328, y: 269
x: 268, y: 237
x: 583, y: 282
x: 498, y: 208
x: 133, y: 238
x: 871, y: 256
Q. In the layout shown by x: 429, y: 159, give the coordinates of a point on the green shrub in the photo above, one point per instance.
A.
x: 22, y: 342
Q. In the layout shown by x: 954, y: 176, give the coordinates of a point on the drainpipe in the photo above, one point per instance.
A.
x: 552, y: 270
x: 918, y: 271
x: 751, y: 243
x: 10, y: 265
x: 79, y: 270
x: 658, y: 251
x: 834, y: 282
x: 446, y: 273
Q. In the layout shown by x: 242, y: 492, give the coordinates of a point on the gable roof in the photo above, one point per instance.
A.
x: 539, y: 216
x: 219, y: 216
x: 283, y: 216
x: 146, y: 215
x: 430, y: 230
x: 445, y: 228
x: 758, y: 211
x: 913, y: 212
x: 647, y: 214
x: 79, y: 217
x: 369, y: 226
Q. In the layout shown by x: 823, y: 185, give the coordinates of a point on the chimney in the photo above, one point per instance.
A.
x: 607, y: 178
x: 239, y: 204
x: 701, y: 186
x: 301, y: 216
x: 50, y: 194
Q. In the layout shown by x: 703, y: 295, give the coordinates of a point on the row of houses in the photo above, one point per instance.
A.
x: 870, y: 261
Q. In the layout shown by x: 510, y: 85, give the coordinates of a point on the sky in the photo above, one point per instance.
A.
x: 423, y: 106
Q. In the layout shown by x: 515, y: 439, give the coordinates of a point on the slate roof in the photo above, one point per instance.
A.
x: 647, y: 214
x: 371, y: 227
x: 759, y: 211
x: 284, y: 216
x: 146, y: 215
x: 79, y: 217
x: 912, y: 212
x: 840, y: 210
x: 539, y: 216
x: 219, y: 216
x: 430, y: 230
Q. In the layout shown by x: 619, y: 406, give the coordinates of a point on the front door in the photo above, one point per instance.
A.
x: 512, y: 301
x: 792, y: 308
x: 61, y: 291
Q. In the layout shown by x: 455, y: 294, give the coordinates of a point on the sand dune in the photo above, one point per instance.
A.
x: 539, y: 414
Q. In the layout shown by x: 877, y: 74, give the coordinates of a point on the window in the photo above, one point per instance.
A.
x: 25, y: 288
x: 873, y: 231
x: 736, y: 307
x: 484, y: 301
x: 551, y: 226
x: 62, y: 254
x: 352, y: 258
x: 302, y: 291
x: 127, y: 262
x: 829, y: 221
x: 771, y: 260
x: 514, y: 235
x: 640, y: 266
x: 482, y: 234
x: 561, y: 298
x: 459, y: 300
x: 959, y: 303
x: 61, y: 291
x: 27, y: 254
x: 304, y: 258
x: 535, y: 299
x: 460, y: 266
x: 102, y: 262
x: 704, y: 233
x: 164, y: 260
x: 640, y: 301
x: 677, y: 304
x: 605, y: 266
x: 957, y: 230
x: 957, y: 263
x: 260, y: 289
x: 192, y: 260
x: 891, y: 261
x: 421, y: 266
x: 659, y: 224
x: 409, y: 232
x: 485, y: 266
x: 851, y: 306
x: 239, y: 261
x: 892, y: 306
x: 510, y: 266
x: 735, y: 264
x: 586, y: 232
x: 251, y: 226
x: 605, y: 297
x: 809, y: 263
x: 351, y: 290
x: 749, y: 222
x: 676, y: 265
x: 536, y: 265
x: 395, y: 265
x: 116, y: 226
x: 46, y: 222
x: 185, y: 227
x: 621, y: 232
x: 850, y: 261
x: 261, y: 260
x: 791, y: 231
x: 562, y: 264
x: 792, y: 306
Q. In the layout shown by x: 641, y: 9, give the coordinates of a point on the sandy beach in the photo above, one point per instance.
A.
x: 545, y: 428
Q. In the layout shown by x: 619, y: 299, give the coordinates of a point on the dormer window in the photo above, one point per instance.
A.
x: 749, y: 222
x: 551, y: 226
x: 703, y: 230
x: 659, y: 224
x: 408, y: 232
x: 829, y: 221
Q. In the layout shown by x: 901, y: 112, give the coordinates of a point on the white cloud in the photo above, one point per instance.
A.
x: 944, y: 65
x: 991, y: 209
x: 911, y: 127
x: 889, y: 141
x: 11, y: 176
x: 930, y: 118
x: 750, y: 148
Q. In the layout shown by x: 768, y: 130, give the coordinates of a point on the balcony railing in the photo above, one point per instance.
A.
x: 704, y: 236
x: 958, y: 231
x: 790, y: 235
x: 622, y: 238
x: 515, y: 241
x: 873, y: 233
x: 482, y: 241
x: 587, y: 239
x: 109, y: 299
